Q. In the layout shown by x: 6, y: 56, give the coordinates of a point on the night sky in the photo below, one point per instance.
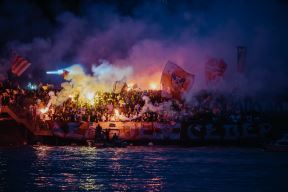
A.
x: 145, y: 34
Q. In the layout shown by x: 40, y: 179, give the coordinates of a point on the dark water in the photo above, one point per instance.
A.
x: 43, y: 168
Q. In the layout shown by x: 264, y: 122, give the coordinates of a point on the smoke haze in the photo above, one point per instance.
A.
x: 141, y: 36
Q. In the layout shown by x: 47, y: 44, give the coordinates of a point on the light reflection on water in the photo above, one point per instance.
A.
x: 3, y: 171
x: 46, y: 168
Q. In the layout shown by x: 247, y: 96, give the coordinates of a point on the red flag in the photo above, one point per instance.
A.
x: 19, y: 64
x: 214, y: 69
x: 65, y: 73
x: 176, y: 80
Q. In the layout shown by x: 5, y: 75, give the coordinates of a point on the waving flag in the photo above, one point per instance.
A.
x: 176, y: 80
x: 241, y: 58
x: 19, y: 64
x: 214, y: 69
x: 120, y: 86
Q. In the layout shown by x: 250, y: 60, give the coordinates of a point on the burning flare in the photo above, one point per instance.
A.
x: 44, y: 110
x: 153, y: 86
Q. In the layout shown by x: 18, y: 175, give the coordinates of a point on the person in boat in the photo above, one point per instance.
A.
x: 115, y: 139
x: 98, y: 133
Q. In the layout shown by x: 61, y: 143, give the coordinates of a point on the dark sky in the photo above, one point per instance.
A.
x: 18, y: 14
x: 40, y: 17
x: 57, y: 33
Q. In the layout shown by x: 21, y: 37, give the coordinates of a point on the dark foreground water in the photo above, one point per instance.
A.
x: 42, y: 168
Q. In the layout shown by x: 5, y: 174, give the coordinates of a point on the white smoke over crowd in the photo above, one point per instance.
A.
x: 161, y: 108
x: 86, y: 86
x: 107, y: 73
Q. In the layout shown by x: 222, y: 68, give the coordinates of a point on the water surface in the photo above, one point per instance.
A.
x: 44, y: 168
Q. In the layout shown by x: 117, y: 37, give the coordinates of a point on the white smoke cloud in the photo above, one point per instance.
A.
x: 108, y: 73
x: 164, y: 108
x: 86, y: 86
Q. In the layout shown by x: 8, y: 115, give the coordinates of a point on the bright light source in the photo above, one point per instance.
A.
x: 130, y: 86
x: 58, y: 72
x: 31, y: 86
x: 153, y: 86
x: 44, y: 110
x: 116, y: 111
x: 90, y: 97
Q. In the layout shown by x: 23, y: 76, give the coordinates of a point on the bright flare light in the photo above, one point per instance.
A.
x: 130, y: 86
x: 31, y: 86
x: 58, y: 72
x: 116, y: 111
x: 71, y: 97
x: 44, y: 110
x: 153, y: 86
x: 90, y: 97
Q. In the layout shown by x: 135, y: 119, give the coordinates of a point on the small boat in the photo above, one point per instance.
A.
x: 280, y: 145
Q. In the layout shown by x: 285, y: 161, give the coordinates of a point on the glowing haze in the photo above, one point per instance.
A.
x: 87, y: 86
x: 139, y: 37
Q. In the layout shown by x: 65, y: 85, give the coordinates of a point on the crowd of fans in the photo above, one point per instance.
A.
x: 124, y: 106
x: 107, y: 106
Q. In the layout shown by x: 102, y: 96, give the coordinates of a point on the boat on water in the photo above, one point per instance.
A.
x: 280, y: 145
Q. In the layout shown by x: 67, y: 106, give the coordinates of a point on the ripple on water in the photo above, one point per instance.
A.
x: 44, y: 168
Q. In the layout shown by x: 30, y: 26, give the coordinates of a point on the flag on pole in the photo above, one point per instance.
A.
x: 120, y: 86
x: 214, y: 69
x: 241, y: 58
x: 175, y: 80
x: 19, y: 64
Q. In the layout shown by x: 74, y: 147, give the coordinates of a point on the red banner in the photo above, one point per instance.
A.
x: 176, y: 80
